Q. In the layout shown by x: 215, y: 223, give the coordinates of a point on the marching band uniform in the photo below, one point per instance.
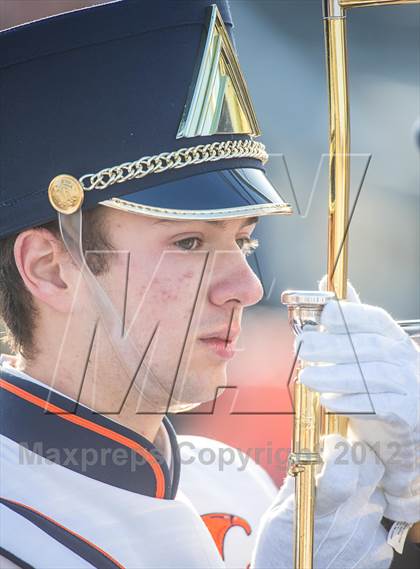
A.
x: 89, y: 492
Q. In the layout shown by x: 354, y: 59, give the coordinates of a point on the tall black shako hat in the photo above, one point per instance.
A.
x: 139, y: 105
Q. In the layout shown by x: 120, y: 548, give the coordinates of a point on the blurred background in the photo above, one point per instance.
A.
x: 281, y: 50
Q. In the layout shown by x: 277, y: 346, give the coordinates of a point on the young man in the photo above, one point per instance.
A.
x: 130, y: 124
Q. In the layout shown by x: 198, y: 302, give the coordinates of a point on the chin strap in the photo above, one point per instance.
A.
x: 152, y: 391
x: 71, y: 227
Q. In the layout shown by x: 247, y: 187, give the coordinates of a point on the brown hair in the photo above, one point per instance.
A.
x: 17, y: 308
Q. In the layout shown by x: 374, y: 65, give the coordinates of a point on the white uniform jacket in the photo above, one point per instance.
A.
x: 79, y: 490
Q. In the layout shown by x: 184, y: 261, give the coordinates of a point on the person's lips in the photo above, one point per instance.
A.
x: 222, y: 342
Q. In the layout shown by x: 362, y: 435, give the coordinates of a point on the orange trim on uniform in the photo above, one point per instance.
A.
x: 219, y: 524
x: 66, y: 529
x: 86, y: 424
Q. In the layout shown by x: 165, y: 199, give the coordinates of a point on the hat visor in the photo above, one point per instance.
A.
x: 223, y: 194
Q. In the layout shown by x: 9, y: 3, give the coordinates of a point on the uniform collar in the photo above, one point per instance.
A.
x: 76, y: 437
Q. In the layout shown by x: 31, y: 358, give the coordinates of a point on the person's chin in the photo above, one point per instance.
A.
x: 204, y: 385
x: 212, y: 386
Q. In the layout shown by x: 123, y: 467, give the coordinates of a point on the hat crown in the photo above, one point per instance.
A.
x: 99, y: 94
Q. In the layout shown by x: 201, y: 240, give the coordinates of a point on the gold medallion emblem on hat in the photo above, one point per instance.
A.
x: 65, y: 194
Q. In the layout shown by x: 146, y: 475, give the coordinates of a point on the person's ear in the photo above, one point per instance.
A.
x: 45, y: 268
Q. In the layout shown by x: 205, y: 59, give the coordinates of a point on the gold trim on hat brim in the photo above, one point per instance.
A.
x: 205, y: 214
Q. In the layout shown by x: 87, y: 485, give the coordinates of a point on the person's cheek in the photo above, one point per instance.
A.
x: 171, y: 301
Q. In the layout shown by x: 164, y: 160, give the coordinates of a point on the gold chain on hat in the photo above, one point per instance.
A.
x: 66, y: 193
x: 171, y: 160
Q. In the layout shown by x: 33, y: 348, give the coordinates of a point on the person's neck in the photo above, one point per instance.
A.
x: 126, y: 408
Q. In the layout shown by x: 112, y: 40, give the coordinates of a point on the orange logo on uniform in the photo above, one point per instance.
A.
x: 219, y: 524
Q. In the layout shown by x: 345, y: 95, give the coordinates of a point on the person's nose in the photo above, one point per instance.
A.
x: 234, y: 280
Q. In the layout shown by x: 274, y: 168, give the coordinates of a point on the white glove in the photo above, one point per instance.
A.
x: 375, y: 382
x: 348, y: 532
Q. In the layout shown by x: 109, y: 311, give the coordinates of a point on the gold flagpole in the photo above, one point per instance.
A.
x: 366, y: 3
x: 339, y: 155
x: 339, y: 167
x: 307, y: 306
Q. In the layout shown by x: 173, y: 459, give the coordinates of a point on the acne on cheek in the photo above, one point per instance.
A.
x: 188, y: 275
x: 166, y: 295
x: 179, y: 288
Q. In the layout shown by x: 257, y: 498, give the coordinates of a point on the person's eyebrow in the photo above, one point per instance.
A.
x: 221, y: 222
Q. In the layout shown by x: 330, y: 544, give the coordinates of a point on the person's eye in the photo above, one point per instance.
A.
x: 247, y: 245
x: 189, y: 243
